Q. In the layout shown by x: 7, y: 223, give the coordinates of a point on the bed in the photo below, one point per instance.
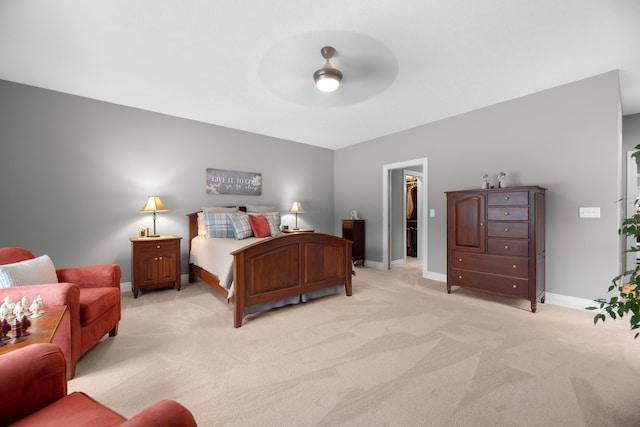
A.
x: 269, y: 272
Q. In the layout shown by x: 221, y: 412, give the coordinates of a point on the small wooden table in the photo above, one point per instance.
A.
x: 42, y: 329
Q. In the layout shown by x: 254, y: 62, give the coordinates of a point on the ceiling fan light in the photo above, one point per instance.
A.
x: 327, y: 78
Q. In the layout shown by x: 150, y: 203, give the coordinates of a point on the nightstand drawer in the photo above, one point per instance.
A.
x: 164, y: 246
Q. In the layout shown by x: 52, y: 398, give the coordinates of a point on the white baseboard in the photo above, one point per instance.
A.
x: 439, y: 277
x: 568, y: 301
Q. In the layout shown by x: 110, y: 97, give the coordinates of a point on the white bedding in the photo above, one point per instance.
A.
x: 214, y: 255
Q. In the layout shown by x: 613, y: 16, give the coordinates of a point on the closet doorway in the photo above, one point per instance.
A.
x: 413, y: 187
x: 394, y: 213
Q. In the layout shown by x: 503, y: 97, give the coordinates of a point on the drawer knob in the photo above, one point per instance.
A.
x: 506, y: 213
x: 482, y: 224
x: 515, y: 286
x: 514, y: 266
x: 157, y: 246
x: 459, y: 259
x: 459, y: 277
x: 506, y: 246
x: 506, y: 197
x: 506, y: 230
x: 155, y: 259
x: 159, y: 257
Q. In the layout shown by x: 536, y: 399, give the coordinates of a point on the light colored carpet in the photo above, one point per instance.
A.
x: 399, y: 352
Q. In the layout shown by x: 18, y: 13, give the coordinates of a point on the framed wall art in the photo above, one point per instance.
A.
x: 220, y: 181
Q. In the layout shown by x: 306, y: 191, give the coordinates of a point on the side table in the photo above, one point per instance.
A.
x: 42, y: 329
x: 155, y: 262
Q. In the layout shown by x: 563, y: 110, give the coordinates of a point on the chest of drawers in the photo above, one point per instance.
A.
x: 495, y: 241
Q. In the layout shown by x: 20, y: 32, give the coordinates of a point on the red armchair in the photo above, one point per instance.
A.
x: 34, y: 384
x: 92, y: 297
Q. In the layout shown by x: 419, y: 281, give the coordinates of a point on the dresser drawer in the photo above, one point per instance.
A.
x: 508, y: 198
x: 502, y: 265
x: 508, y: 213
x: 514, y: 230
x: 488, y: 282
x: 514, y: 247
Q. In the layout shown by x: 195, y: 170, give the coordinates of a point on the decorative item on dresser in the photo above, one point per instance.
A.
x: 353, y: 229
x: 496, y: 241
x: 155, y: 262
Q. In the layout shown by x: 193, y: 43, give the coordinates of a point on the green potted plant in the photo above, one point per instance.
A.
x: 626, y: 300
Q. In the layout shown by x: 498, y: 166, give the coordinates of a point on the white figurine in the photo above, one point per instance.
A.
x: 502, y: 180
x: 18, y: 310
x: 35, y: 309
x: 9, y: 303
x: 4, y: 312
x: 485, y: 181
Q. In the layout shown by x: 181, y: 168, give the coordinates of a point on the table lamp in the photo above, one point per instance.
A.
x: 296, y: 208
x: 154, y: 204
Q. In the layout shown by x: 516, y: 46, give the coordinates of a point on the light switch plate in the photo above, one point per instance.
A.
x: 590, y: 212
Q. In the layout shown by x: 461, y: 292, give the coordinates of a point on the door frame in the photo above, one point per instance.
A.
x: 422, y: 200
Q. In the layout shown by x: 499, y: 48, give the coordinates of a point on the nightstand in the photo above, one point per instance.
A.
x: 353, y: 229
x: 155, y: 262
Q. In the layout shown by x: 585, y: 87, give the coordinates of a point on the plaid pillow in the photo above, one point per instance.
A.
x: 217, y: 225
x: 241, y: 226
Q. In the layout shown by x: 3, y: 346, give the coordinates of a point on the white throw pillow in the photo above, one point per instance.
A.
x: 34, y: 271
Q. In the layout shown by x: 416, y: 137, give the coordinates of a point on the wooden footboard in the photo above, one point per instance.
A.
x: 283, y: 266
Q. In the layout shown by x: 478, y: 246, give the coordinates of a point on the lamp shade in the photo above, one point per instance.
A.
x: 296, y: 207
x: 154, y: 204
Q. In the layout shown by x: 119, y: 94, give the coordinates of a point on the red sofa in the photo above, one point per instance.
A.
x: 92, y: 297
x: 34, y: 393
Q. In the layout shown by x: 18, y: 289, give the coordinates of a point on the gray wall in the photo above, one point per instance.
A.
x: 566, y: 139
x: 75, y: 172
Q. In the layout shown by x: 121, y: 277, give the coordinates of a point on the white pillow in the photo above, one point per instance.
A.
x: 34, y: 271
x: 202, y: 226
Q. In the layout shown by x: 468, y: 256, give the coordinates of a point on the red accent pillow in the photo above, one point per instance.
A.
x: 259, y: 225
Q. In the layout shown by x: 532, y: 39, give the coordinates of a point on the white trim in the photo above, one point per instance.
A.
x: 568, y: 301
x: 439, y: 277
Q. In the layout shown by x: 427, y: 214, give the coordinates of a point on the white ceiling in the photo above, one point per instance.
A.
x: 248, y: 65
